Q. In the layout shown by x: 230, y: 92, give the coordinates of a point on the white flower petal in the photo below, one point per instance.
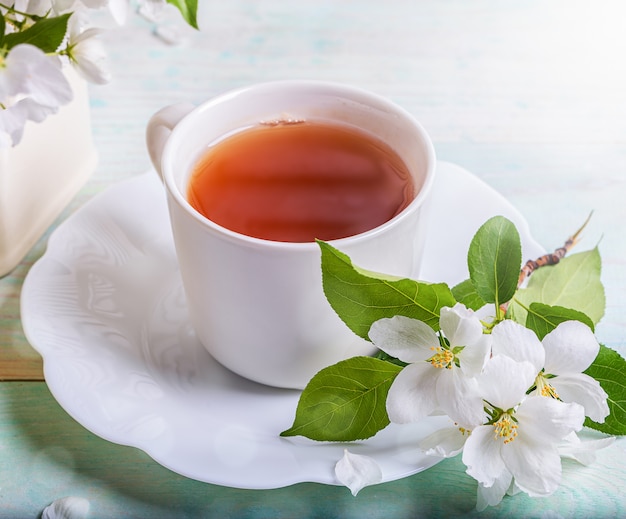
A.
x: 12, y: 122
x: 518, y: 342
x: 583, y: 452
x: 460, y: 326
x: 152, y: 10
x: 473, y: 357
x: 459, y: 398
x: 583, y: 390
x: 570, y: 348
x: 38, y: 7
x: 547, y: 421
x: 357, y: 471
x: 446, y: 443
x: 481, y: 456
x: 491, y: 496
x: 407, y: 339
x: 87, y: 52
x: 67, y: 508
x: 535, y: 467
x: 504, y: 381
x: 30, y: 72
x: 35, y: 111
x: 413, y: 394
x: 170, y: 34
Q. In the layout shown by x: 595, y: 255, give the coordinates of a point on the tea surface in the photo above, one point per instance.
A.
x: 298, y: 182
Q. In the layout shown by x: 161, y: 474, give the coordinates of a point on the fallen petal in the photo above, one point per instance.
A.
x: 67, y: 508
x: 356, y: 471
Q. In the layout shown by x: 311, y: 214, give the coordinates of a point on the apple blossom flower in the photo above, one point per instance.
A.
x: 357, y: 471
x: 442, y: 366
x: 32, y: 87
x: 86, y: 53
x: 518, y: 444
x: 560, y: 360
x: 27, y: 71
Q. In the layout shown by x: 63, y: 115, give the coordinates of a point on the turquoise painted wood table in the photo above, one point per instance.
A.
x: 529, y: 97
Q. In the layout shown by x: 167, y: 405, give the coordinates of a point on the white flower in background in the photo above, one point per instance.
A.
x: 32, y: 87
x: 583, y: 452
x: 357, y: 471
x: 86, y: 52
x: 152, y: 10
x: 518, y: 445
x: 560, y: 360
x: 62, y: 6
x: 28, y: 71
x: 38, y: 7
x: 442, y: 367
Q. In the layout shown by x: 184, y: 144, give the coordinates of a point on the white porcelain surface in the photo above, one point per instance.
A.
x: 40, y: 175
x: 237, y: 286
x: 105, y: 308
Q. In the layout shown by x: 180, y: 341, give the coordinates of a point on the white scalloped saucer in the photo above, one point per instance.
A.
x: 105, y: 308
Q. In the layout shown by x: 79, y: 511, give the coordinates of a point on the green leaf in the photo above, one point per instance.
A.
x: 542, y: 319
x: 47, y: 34
x: 2, y: 29
x: 573, y: 283
x: 609, y: 369
x: 495, y: 259
x: 189, y: 10
x: 465, y: 292
x: 361, y: 298
x: 346, y: 401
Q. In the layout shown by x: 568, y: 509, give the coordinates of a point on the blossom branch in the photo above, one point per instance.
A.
x: 554, y: 257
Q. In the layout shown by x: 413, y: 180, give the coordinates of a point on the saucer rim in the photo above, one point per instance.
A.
x: 30, y: 330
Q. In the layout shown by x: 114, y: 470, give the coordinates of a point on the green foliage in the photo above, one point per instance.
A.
x: 573, y: 283
x: 361, y: 298
x: 494, y: 260
x: 346, y: 401
x: 542, y: 319
x: 188, y: 9
x: 609, y: 369
x: 47, y: 34
x: 465, y: 292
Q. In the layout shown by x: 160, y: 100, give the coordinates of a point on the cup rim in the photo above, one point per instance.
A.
x: 336, y: 87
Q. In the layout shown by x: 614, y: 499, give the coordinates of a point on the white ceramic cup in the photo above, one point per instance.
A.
x: 256, y: 305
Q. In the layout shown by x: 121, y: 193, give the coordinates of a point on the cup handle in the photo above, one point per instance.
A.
x: 160, y: 127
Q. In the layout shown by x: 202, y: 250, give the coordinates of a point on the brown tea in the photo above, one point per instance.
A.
x: 300, y: 181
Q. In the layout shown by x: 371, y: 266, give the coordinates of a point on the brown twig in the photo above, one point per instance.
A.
x: 551, y: 258
x: 548, y: 259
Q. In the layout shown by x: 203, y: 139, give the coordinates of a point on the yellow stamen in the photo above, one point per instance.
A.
x: 545, y: 388
x: 505, y: 428
x: 442, y: 359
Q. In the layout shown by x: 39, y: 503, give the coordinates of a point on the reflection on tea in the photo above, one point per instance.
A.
x: 298, y: 182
